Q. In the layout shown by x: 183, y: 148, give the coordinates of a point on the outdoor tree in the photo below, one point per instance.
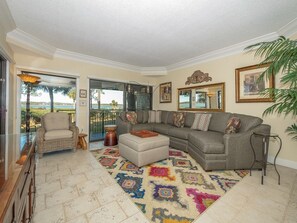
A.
x: 51, y: 90
x: 96, y: 95
x: 72, y: 94
x: 114, y: 104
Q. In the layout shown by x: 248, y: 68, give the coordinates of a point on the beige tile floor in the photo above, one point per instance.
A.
x: 74, y: 188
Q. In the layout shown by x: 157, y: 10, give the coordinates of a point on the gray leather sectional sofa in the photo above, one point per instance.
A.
x: 212, y: 149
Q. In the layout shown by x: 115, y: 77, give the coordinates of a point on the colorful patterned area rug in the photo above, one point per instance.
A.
x: 175, y: 190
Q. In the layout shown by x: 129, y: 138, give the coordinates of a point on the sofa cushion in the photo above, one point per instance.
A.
x: 58, y: 134
x: 170, y: 118
x: 248, y: 122
x: 56, y: 121
x: 179, y: 119
x: 154, y: 116
x: 164, y: 116
x: 233, y: 125
x: 142, y: 126
x: 201, y: 121
x: 219, y: 121
x: 208, y: 142
x: 162, y: 128
x: 189, y: 119
x: 181, y: 133
x: 122, y: 115
x: 142, y: 116
x: 145, y: 116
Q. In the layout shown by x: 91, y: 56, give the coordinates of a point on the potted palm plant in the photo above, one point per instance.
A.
x: 281, y: 55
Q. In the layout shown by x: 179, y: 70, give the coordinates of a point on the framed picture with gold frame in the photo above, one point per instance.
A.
x: 247, y: 86
x: 166, y: 92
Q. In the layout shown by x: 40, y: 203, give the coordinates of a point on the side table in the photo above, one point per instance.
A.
x: 110, y: 136
x: 82, y: 143
x: 265, y: 141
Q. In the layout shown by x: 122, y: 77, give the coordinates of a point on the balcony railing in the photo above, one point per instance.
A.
x: 99, y: 118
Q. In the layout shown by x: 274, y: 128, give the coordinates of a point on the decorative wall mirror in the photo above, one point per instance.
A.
x: 209, y: 97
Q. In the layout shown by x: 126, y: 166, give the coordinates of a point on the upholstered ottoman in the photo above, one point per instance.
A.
x: 143, y: 151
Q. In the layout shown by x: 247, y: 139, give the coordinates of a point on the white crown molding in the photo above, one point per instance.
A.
x: 224, y: 52
x: 154, y: 71
x: 289, y: 29
x: 29, y: 42
x: 64, y: 54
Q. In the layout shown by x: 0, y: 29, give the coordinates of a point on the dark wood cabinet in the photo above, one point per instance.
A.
x: 18, y: 193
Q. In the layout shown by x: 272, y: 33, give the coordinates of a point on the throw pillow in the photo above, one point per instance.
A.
x: 179, y: 119
x: 131, y: 117
x: 201, y: 121
x: 233, y: 125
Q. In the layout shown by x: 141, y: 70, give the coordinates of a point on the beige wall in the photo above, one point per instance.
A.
x: 83, y: 71
x: 223, y: 70
x: 4, y: 48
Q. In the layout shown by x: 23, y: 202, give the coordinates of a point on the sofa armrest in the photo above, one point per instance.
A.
x: 40, y: 134
x: 238, y: 148
x: 40, y: 139
x: 122, y: 126
x: 75, y: 131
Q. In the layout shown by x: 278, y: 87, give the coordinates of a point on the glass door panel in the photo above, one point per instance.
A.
x: 106, y: 102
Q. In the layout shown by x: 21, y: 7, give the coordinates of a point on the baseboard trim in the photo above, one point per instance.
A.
x: 283, y: 162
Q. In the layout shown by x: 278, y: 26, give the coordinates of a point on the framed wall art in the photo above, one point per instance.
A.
x: 165, y: 92
x: 83, y: 93
x: 247, y: 86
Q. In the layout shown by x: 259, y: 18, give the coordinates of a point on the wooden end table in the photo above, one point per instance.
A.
x: 110, y: 136
x: 82, y: 143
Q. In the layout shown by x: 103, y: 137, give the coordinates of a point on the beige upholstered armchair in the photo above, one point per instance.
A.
x: 56, y: 133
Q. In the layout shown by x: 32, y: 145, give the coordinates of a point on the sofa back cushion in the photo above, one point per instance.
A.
x: 248, y: 122
x: 142, y: 116
x: 56, y: 121
x: 122, y: 115
x: 170, y: 118
x: 164, y: 116
x: 189, y: 119
x: 219, y: 121
x: 154, y: 116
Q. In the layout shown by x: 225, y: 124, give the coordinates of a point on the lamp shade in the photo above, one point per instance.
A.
x: 28, y: 78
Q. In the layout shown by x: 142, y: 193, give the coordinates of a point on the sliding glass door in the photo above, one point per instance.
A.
x: 108, y: 99
x: 106, y: 102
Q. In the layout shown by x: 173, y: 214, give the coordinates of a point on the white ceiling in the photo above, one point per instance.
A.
x: 149, y: 33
